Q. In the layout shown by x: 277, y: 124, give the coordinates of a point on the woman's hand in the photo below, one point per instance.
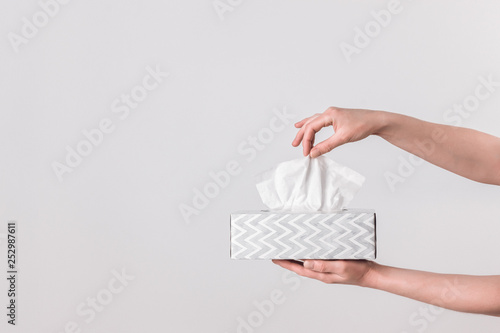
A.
x: 356, y: 272
x: 349, y: 125
x: 466, y: 293
x: 466, y: 152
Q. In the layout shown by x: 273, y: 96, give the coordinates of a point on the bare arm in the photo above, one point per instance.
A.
x: 466, y: 152
x: 465, y: 293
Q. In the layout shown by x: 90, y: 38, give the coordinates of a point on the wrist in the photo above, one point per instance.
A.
x: 371, y: 277
x: 382, y: 122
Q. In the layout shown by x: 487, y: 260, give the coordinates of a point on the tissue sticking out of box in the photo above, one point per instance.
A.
x: 309, y: 184
x: 307, y: 219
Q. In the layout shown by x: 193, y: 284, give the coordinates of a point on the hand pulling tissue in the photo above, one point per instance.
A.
x: 307, y: 216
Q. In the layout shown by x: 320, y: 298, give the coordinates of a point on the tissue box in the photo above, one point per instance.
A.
x: 345, y: 234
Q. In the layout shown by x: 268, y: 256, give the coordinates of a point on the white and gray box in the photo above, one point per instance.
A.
x: 343, y: 234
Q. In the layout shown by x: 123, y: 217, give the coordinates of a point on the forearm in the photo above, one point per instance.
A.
x: 466, y: 152
x: 465, y: 293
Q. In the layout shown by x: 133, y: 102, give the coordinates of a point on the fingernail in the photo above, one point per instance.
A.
x: 308, y: 264
x: 314, y: 153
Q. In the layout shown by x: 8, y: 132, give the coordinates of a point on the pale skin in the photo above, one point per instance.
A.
x: 466, y: 152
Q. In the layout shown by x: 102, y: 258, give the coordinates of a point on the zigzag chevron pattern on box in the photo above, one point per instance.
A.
x: 267, y: 235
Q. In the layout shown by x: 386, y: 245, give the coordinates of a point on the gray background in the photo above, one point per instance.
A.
x: 119, y: 209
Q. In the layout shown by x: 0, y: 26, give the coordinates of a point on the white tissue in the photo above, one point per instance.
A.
x: 309, y: 184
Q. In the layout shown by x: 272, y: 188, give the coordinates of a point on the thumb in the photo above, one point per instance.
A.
x: 321, y: 266
x: 327, y: 145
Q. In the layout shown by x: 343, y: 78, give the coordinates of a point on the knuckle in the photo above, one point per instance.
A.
x: 326, y: 150
x: 308, y: 133
x: 323, y: 149
x: 332, y: 110
x: 320, y: 266
x: 326, y: 121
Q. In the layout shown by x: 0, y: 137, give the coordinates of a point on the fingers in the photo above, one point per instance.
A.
x: 300, y: 270
x: 327, y: 145
x: 341, y: 268
x: 300, y: 133
x: 310, y: 130
x: 329, y: 271
x: 321, y: 266
x: 302, y: 122
x: 298, y: 138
